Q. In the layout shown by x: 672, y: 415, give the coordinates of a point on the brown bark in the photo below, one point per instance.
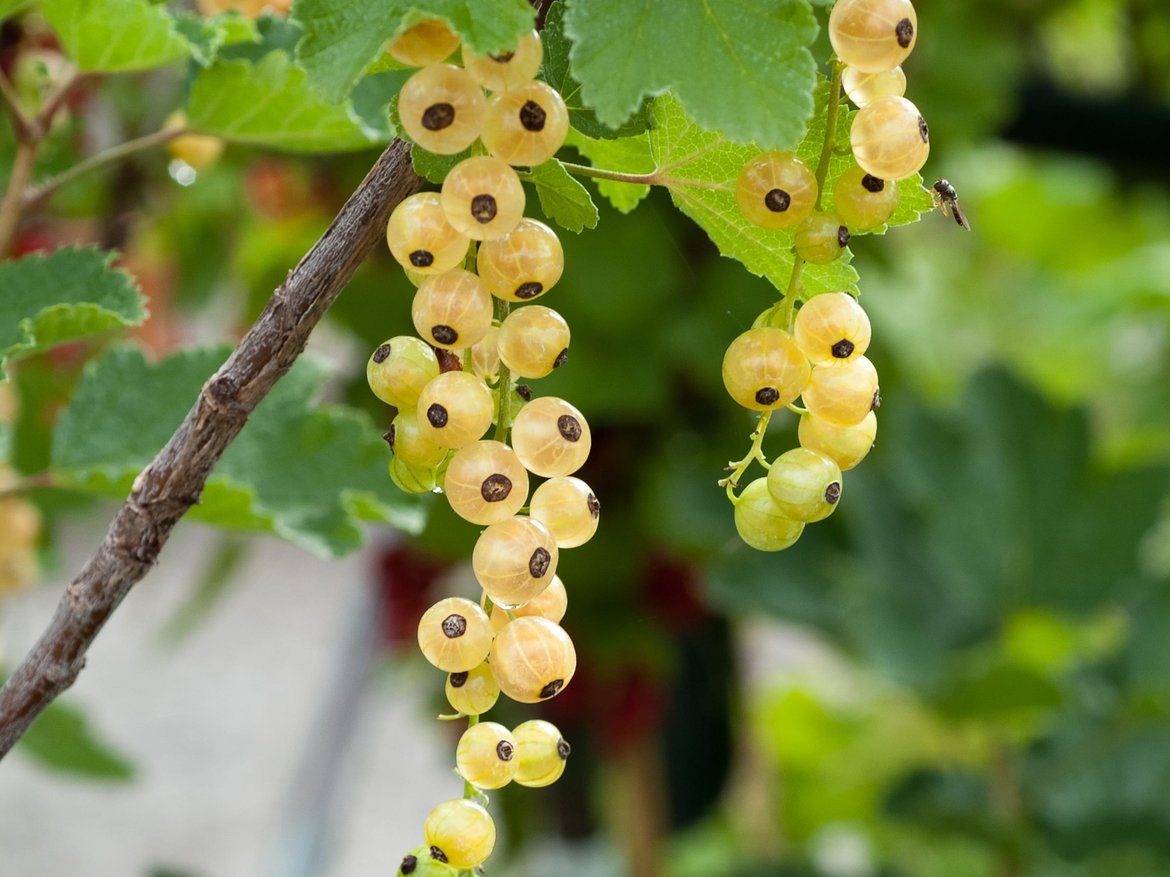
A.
x: 174, y: 480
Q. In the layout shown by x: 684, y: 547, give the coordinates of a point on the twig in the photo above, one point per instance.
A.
x: 11, y: 206
x: 34, y: 197
x: 173, y: 481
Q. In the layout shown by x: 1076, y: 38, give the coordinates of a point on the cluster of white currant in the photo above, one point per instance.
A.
x: 452, y: 383
x: 818, y: 352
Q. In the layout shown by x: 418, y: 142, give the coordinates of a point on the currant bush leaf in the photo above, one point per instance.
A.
x: 700, y: 169
x: 207, y: 35
x: 309, y: 475
x: 631, y: 155
x: 562, y: 198
x: 270, y: 103
x: 555, y: 71
x: 60, y: 297
x: 11, y: 7
x: 62, y: 740
x: 741, y: 67
x: 343, y: 39
x: 116, y: 35
x: 434, y: 168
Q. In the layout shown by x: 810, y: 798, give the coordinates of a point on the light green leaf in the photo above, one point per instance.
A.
x: 309, y: 475
x: 107, y: 36
x: 555, y: 71
x: 630, y: 155
x: 66, y: 295
x: 62, y: 740
x: 270, y: 103
x: 11, y: 7
x: 342, y: 39
x: 701, y: 167
x: 434, y: 168
x: 740, y: 67
x: 207, y: 35
x: 564, y: 200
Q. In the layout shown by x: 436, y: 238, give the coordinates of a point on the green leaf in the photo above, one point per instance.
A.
x: 307, y: 475
x: 742, y: 68
x: 555, y: 72
x: 60, y: 297
x: 270, y: 104
x: 701, y: 167
x: 62, y: 740
x: 107, y: 36
x: 562, y: 198
x: 207, y: 35
x: 631, y: 155
x: 11, y: 7
x: 342, y: 39
x: 434, y: 168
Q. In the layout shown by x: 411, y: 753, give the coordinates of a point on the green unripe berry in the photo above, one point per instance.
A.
x: 419, y: 862
x: 760, y: 521
x: 806, y: 485
x: 463, y: 833
x: 821, y: 238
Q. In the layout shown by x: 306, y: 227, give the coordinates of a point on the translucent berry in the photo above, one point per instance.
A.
x: 486, y: 482
x: 890, y: 139
x: 427, y: 42
x: 844, y: 445
x: 452, y: 310
x: 805, y: 484
x: 862, y: 200
x: 533, y: 659
x: 483, y: 198
x: 821, y: 238
x: 541, y: 752
x: 865, y: 88
x: 420, y: 862
x: 412, y: 479
x: 506, y: 70
x: 760, y: 521
x: 455, y: 409
x: 455, y: 635
x: 421, y: 239
x: 442, y: 109
x: 763, y: 369
x: 473, y: 692
x: 551, y: 603
x: 533, y: 341
x: 843, y: 394
x: 485, y: 357
x: 526, y: 125
x: 831, y: 328
x: 551, y: 437
x: 568, y: 507
x: 462, y: 832
x: 486, y: 756
x: 776, y: 190
x: 514, y: 560
x: 399, y: 369
x: 523, y: 264
x: 873, y: 35
x: 410, y: 445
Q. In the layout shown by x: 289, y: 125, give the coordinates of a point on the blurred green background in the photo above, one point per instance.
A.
x: 965, y: 671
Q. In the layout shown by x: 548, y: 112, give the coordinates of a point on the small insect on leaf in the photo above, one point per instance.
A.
x: 946, y: 199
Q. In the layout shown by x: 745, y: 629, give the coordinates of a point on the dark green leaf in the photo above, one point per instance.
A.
x: 725, y: 62
x: 66, y: 295
x: 342, y: 40
x: 308, y: 475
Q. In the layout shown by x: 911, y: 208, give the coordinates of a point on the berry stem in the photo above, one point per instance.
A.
x: 470, y: 792
x: 34, y: 197
x: 755, y: 453
x: 504, y: 385
x: 654, y: 178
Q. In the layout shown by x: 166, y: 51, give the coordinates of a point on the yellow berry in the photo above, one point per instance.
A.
x: 760, y: 521
x: 551, y: 603
x: 514, y: 560
x: 821, y: 238
x: 455, y: 409
x: 442, y: 109
x: 776, y: 190
x: 526, y: 125
x: 427, y: 42
x: 486, y: 482
x: 523, y: 264
x: 462, y: 831
x: 805, y: 484
x: 890, y: 139
x: 486, y: 756
x: 845, y: 445
x: 541, y: 753
x: 408, y: 442
x: 568, y: 508
x: 473, y: 692
x: 506, y: 70
x: 533, y: 341
x: 455, y: 635
x: 551, y: 437
x: 533, y: 659
x: 421, y: 239
x: 862, y: 200
x: 843, y: 394
x: 399, y: 369
x: 831, y: 328
x: 485, y: 357
x: 864, y: 88
x: 763, y: 369
x: 483, y: 198
x: 452, y: 310
x: 873, y: 35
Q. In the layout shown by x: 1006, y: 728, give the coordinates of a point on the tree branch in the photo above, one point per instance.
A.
x: 173, y: 481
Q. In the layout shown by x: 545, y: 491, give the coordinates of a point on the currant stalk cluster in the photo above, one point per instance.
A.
x: 472, y: 254
x: 813, y: 348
